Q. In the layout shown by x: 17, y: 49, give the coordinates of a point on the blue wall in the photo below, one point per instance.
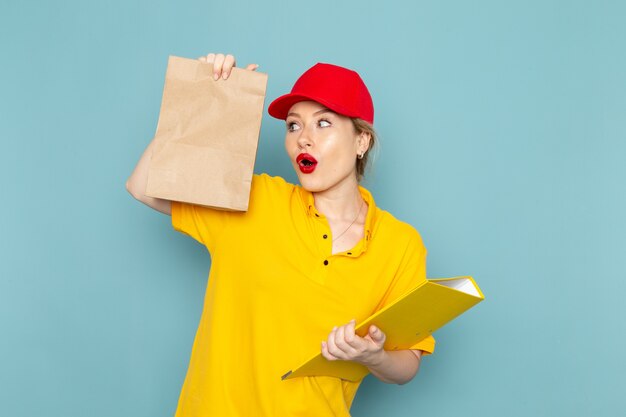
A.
x: 503, y: 139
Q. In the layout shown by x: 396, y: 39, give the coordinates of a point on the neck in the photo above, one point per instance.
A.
x: 340, y: 203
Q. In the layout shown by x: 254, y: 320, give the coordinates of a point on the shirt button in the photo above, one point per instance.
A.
x: 317, y: 215
x: 325, y: 236
x: 326, y: 262
x: 349, y: 253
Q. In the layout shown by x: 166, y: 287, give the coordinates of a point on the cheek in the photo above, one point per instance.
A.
x: 342, y: 148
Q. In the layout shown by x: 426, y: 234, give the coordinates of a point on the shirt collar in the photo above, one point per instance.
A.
x: 309, y: 204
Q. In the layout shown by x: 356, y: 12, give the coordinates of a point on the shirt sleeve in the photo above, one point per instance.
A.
x: 204, y: 224
x: 411, y: 273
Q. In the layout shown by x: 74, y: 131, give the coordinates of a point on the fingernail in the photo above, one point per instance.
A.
x: 216, y: 76
x: 224, y: 75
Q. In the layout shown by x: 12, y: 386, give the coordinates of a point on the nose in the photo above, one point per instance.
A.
x: 304, y: 139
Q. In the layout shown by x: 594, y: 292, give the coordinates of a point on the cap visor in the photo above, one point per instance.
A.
x: 279, y: 108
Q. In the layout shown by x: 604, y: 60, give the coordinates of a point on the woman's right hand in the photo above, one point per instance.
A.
x: 223, y: 65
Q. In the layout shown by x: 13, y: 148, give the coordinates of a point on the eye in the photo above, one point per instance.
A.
x: 292, y: 126
x: 323, y: 123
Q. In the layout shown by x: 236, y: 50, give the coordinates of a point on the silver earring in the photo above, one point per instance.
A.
x: 360, y: 156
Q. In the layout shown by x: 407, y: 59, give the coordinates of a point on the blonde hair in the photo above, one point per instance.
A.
x: 361, y: 126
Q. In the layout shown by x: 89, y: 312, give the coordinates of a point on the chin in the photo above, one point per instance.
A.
x: 319, y: 181
x: 310, y: 184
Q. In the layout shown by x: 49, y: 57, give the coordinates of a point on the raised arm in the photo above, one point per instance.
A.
x: 136, y: 183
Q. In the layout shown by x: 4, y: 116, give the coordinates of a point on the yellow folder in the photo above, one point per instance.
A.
x: 409, y: 320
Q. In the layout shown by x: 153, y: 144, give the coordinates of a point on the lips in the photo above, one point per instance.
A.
x: 306, y: 163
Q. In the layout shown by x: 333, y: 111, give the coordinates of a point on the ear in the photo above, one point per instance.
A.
x: 363, y: 142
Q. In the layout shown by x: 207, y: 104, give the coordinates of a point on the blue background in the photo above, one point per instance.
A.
x: 503, y: 138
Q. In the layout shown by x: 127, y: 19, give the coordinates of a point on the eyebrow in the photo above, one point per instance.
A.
x: 324, y: 110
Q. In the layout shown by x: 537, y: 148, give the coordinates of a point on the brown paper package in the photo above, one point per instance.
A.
x: 207, y: 135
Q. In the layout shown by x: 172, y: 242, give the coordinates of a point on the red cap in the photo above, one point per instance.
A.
x: 340, y: 89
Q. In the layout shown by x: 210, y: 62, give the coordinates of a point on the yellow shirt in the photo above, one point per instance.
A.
x: 275, y: 292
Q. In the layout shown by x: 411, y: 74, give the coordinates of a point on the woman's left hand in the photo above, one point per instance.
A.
x: 344, y: 344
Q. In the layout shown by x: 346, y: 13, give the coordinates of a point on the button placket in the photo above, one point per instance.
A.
x: 322, y: 236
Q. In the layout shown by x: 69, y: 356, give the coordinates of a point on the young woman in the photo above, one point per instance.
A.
x: 301, y: 266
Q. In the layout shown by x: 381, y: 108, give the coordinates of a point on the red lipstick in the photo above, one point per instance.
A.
x: 306, y: 163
